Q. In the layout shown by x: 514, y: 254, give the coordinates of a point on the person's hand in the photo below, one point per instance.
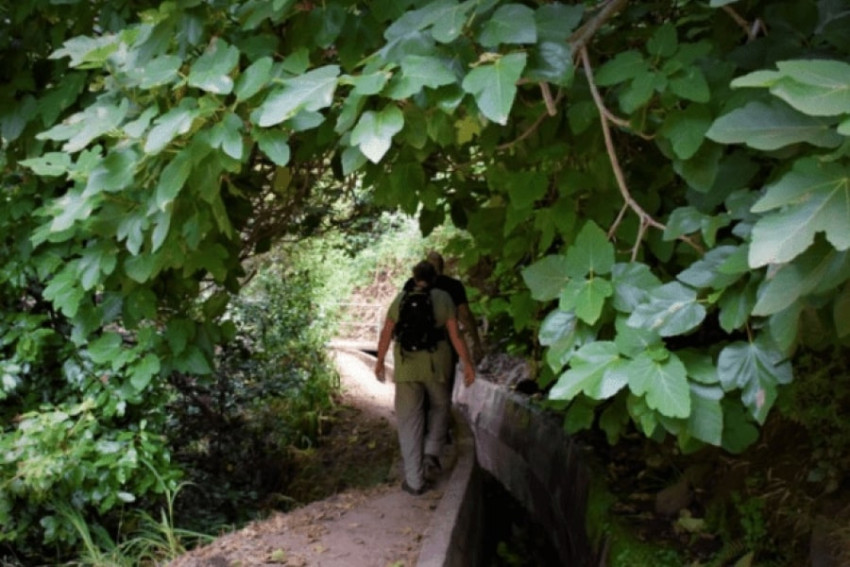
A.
x: 380, y: 371
x: 468, y: 375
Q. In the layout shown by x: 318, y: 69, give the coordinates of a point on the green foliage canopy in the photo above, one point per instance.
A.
x: 659, y: 189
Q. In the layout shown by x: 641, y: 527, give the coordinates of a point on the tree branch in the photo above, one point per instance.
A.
x: 751, y: 31
x: 547, y: 98
x: 551, y: 110
x: 646, y: 219
x: 582, y: 36
x: 576, y: 42
x: 609, y: 146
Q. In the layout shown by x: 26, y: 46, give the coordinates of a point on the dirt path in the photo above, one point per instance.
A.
x: 380, y: 526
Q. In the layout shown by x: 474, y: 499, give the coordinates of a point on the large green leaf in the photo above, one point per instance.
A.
x: 702, y: 171
x: 691, y: 85
x: 699, y: 366
x: 173, y: 123
x: 551, y: 62
x: 88, y: 52
x: 631, y: 341
x: 132, y: 229
x: 664, y: 383
x: 625, y: 66
x: 143, y: 371
x: 64, y: 291
x: 591, y: 372
x: 546, y: 277
x: 141, y: 268
x: 632, y: 284
x: 231, y: 136
x: 814, y: 198
x: 375, y: 130
x: 50, y: 164
x: 586, y: 297
x: 556, y: 326
x: 560, y: 332
x: 686, y: 129
x: 366, y: 84
x: 736, y: 305
x: 663, y: 43
x: 311, y: 91
x: 818, y: 269
x: 105, y: 348
x: 671, y: 309
x: 114, y: 173
x: 450, y: 21
x: 97, y: 258
x: 738, y: 429
x: 706, y: 420
x: 173, y: 179
x: 159, y: 71
x: 556, y: 21
x: 73, y: 206
x: 494, y: 85
x: 418, y: 72
x: 525, y: 188
x: 136, y: 128
x: 707, y: 273
x: 445, y: 11
x: 510, y: 23
x: 756, y: 369
x: 211, y: 71
x: 273, y: 143
x: 580, y: 415
x: 818, y: 87
x: 641, y: 90
x: 591, y: 253
x: 193, y: 361
x: 770, y: 126
x: 646, y: 419
x: 84, y: 127
x: 254, y: 78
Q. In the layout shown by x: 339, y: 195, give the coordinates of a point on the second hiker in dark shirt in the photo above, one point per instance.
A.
x: 457, y: 292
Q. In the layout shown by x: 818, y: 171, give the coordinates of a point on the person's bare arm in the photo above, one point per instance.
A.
x: 469, y: 326
x: 463, y: 353
x: 383, y: 347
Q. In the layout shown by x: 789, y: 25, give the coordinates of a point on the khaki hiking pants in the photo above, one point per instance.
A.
x: 413, y: 423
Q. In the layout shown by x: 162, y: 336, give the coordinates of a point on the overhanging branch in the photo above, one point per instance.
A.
x: 646, y: 220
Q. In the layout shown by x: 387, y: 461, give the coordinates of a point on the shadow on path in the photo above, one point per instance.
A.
x: 380, y: 526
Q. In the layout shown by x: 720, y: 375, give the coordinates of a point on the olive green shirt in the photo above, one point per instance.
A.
x: 426, y: 366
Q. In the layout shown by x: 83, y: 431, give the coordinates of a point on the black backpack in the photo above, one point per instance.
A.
x: 415, y: 329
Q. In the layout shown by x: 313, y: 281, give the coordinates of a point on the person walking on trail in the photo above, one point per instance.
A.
x: 422, y: 373
x: 455, y: 288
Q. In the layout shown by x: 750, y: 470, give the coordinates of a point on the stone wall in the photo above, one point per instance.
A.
x: 527, y: 451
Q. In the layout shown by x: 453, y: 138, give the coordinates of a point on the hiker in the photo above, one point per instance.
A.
x: 455, y: 288
x: 422, y: 374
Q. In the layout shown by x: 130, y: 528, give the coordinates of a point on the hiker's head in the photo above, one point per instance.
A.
x: 436, y: 260
x: 424, y: 273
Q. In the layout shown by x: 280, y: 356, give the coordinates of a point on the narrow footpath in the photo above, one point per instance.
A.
x: 381, y: 526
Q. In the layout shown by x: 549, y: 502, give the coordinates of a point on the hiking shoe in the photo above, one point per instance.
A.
x: 417, y: 492
x: 433, y: 468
